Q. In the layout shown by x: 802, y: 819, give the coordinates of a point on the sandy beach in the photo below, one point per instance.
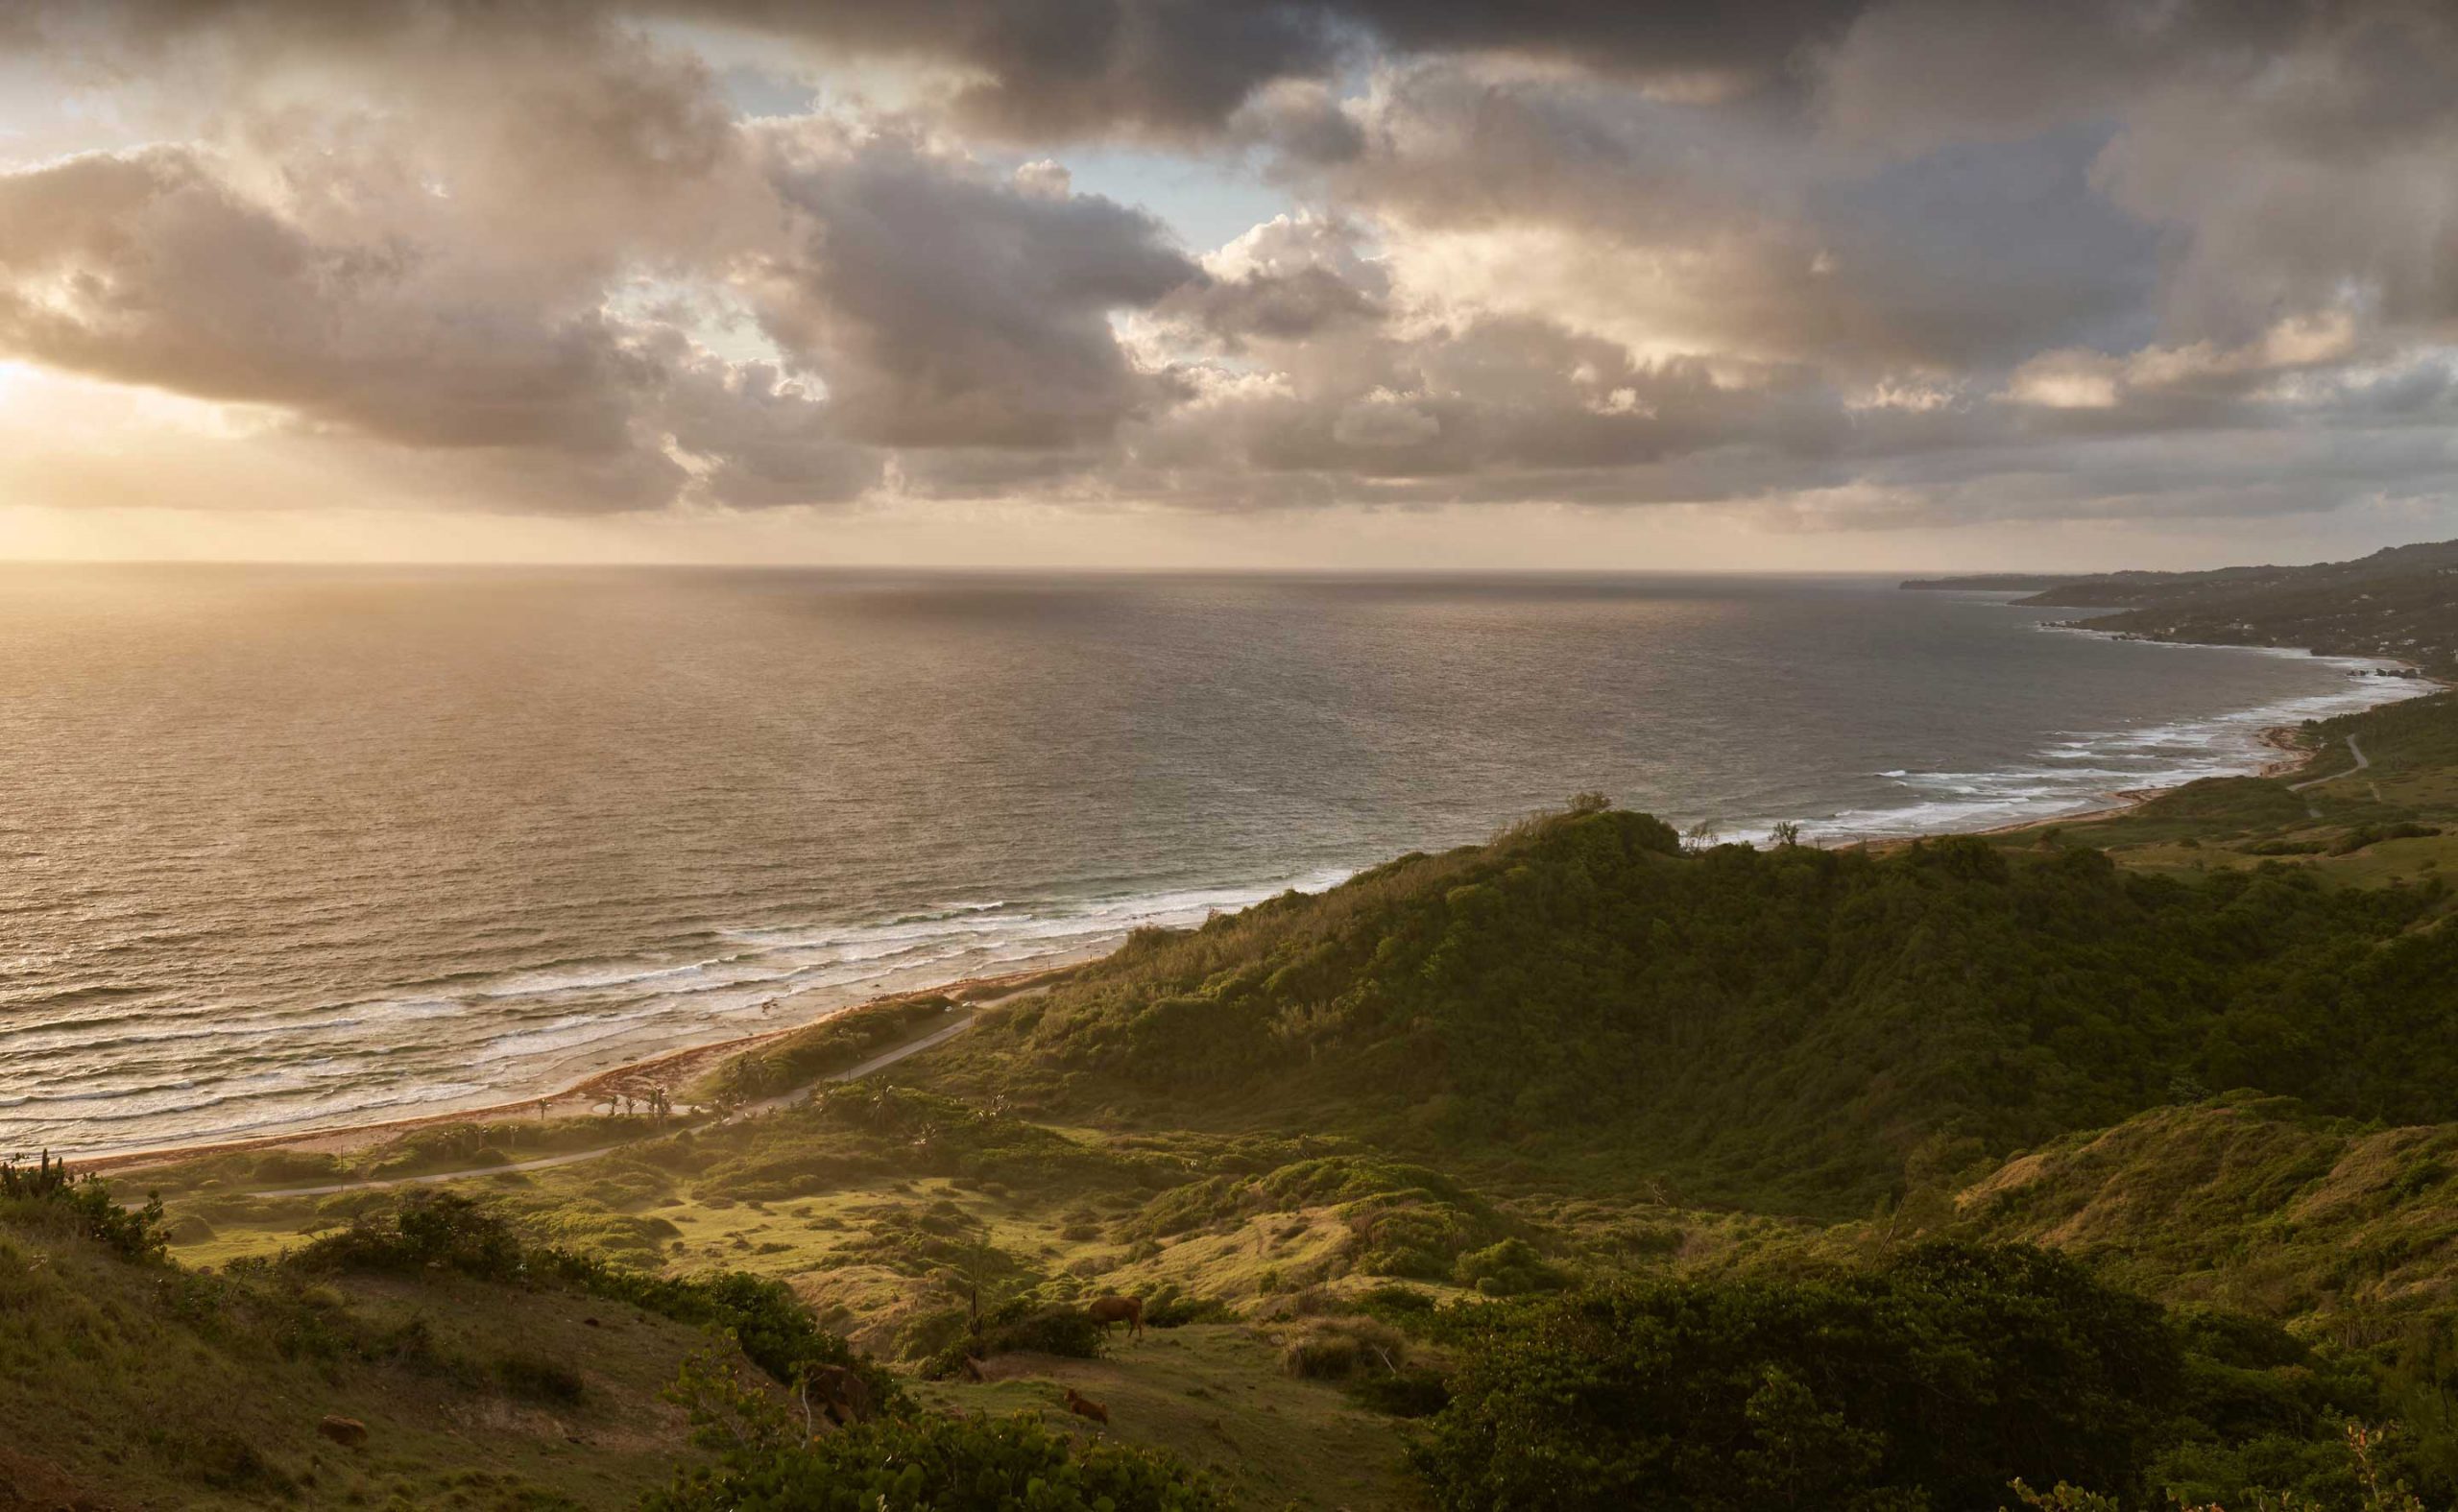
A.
x: 587, y: 1097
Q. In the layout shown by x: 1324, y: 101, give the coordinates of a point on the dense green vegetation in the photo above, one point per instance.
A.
x: 1929, y: 1380
x: 970, y: 1464
x: 1782, y: 1027
x: 46, y: 1194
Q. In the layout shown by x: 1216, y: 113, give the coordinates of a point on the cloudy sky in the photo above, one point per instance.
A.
x: 1810, y: 283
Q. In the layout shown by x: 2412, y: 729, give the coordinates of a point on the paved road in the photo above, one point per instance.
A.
x: 576, y: 1157
x: 2353, y: 750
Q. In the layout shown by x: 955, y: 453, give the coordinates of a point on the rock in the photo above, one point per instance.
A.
x: 347, y: 1432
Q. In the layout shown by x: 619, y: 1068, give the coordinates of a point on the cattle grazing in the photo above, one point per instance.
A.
x: 1129, y: 1310
x: 347, y: 1432
x: 1084, y: 1406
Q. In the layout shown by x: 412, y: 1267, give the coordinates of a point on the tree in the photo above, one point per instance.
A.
x: 1934, y: 1380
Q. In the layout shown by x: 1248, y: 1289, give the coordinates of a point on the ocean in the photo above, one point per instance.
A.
x: 285, y: 848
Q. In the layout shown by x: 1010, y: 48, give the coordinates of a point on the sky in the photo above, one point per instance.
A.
x: 1804, y: 284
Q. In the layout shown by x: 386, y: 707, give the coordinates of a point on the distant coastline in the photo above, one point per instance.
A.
x: 1992, y: 583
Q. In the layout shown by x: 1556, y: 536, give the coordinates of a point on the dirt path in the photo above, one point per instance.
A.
x: 576, y: 1157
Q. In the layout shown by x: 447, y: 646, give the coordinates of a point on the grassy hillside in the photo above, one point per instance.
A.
x: 2251, y: 1203
x: 134, y: 1384
x: 1780, y: 1029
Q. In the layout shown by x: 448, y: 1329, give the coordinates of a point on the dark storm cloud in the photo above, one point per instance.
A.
x: 946, y: 307
x: 152, y: 269
x: 1044, y: 69
x: 1875, y: 254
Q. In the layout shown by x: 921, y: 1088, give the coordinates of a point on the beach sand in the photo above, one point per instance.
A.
x: 588, y: 1097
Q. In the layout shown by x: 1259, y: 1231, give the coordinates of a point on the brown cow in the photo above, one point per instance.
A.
x: 841, y: 1393
x: 1114, y: 1309
x: 347, y: 1432
x: 1084, y: 1406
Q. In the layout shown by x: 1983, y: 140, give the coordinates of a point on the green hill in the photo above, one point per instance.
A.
x: 2401, y: 602
x: 1778, y: 1028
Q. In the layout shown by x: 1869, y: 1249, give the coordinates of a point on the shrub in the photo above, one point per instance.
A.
x: 1337, y: 1348
x: 1507, y: 1269
x: 1395, y: 1303
x: 426, y: 1231
x: 1022, y: 1327
x: 1413, y: 1391
x: 86, y: 1203
x: 1943, y: 1374
x: 945, y: 1464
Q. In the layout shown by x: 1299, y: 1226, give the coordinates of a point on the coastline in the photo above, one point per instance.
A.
x: 668, y: 1071
x: 2291, y: 756
x: 2292, y: 760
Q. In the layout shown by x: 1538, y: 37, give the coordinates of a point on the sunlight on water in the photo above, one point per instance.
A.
x: 289, y: 847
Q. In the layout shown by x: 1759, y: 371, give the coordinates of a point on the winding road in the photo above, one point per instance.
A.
x: 2361, y: 763
x: 576, y: 1157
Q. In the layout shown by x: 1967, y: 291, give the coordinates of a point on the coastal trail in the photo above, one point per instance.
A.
x: 2362, y: 763
x: 875, y: 1063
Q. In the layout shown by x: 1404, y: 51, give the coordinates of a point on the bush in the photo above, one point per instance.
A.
x: 1402, y: 1306
x: 766, y: 1321
x: 944, y: 1464
x: 1413, y: 1391
x: 86, y: 1203
x: 2364, y: 835
x: 1337, y: 1348
x: 1944, y: 1375
x: 1507, y: 1269
x: 426, y: 1231
x: 1022, y: 1327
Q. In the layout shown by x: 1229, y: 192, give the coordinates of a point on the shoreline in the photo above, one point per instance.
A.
x: 2291, y: 759
x: 668, y: 1071
x: 665, y: 1071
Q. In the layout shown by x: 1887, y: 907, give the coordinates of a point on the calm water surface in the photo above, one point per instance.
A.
x: 289, y: 847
